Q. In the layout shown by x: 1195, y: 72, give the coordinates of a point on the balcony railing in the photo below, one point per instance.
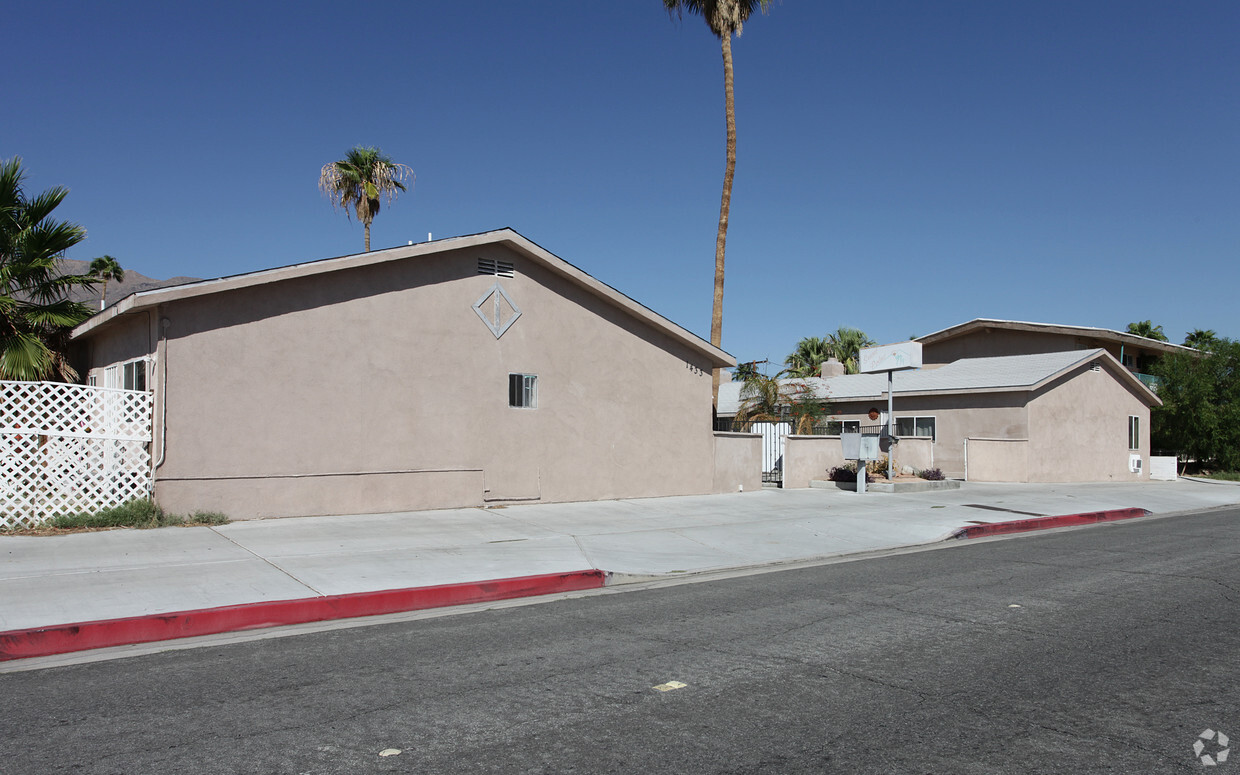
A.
x: 1150, y: 380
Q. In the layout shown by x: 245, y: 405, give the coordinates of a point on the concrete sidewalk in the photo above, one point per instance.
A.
x: 57, y: 580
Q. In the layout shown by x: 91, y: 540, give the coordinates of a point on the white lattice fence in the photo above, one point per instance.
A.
x: 70, y: 448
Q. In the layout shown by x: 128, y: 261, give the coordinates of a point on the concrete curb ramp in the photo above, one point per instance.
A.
x: 65, y: 638
x: 82, y: 636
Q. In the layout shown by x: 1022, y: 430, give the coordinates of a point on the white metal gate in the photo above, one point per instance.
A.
x: 772, y: 450
x: 70, y: 448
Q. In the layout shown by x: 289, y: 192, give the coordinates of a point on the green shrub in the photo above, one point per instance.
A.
x: 140, y: 513
x: 134, y: 513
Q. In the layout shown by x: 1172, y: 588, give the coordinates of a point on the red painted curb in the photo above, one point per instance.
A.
x: 65, y: 638
x: 1043, y: 523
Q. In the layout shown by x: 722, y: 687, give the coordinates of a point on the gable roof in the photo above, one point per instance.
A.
x: 1102, y: 334
x: 507, y: 237
x: 999, y: 374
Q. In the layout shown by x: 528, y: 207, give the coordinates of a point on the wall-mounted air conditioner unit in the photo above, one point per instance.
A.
x: 1134, y: 463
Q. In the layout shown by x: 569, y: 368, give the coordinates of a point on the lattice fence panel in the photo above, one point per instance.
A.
x: 70, y: 448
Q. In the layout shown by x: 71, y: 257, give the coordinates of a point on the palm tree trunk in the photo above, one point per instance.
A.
x: 366, y: 226
x: 725, y: 204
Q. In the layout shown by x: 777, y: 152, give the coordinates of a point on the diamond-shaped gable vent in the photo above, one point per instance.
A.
x: 497, y: 310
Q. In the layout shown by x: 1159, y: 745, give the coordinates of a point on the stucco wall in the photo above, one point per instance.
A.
x: 807, y: 458
x: 379, y: 388
x: 1079, y: 429
x: 998, y: 460
x: 738, y: 462
x: 992, y: 415
x: 917, y: 453
x: 810, y: 457
x: 985, y: 343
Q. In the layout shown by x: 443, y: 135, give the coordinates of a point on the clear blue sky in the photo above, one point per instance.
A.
x: 903, y: 166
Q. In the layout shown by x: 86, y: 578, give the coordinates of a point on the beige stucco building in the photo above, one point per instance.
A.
x: 986, y: 337
x: 461, y: 372
x: 1056, y: 416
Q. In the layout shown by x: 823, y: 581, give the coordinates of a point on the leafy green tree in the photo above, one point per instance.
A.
x: 1147, y: 329
x: 36, y: 313
x: 725, y: 18
x: 1200, y: 415
x: 846, y: 344
x: 360, y: 180
x: 1201, y: 339
x: 106, y: 268
x: 808, y: 357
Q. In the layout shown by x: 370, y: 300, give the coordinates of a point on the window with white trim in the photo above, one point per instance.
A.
x: 135, y: 375
x: 923, y: 427
x: 523, y: 391
x: 1134, y: 432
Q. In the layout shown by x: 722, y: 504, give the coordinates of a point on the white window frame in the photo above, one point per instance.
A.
x: 131, y: 371
x: 523, y: 391
x: 1134, y: 432
x: 934, y: 426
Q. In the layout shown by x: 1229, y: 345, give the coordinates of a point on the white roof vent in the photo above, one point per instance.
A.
x: 495, y: 268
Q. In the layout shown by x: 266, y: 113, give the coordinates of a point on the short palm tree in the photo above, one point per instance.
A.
x: 106, y: 268
x: 360, y: 180
x: 1147, y: 329
x: 846, y: 344
x: 1201, y: 339
x: 772, y: 399
x: 807, y: 359
x: 36, y: 313
x: 744, y: 371
x: 725, y: 19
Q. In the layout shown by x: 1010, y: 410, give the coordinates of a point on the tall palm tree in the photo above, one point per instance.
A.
x: 35, y: 311
x: 725, y: 18
x: 1147, y: 329
x: 360, y: 180
x: 846, y: 344
x: 807, y: 359
x: 106, y: 268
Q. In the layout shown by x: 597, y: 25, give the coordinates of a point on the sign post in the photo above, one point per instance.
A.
x: 890, y: 358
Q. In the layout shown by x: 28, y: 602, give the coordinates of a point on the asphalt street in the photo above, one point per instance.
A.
x: 1110, y: 648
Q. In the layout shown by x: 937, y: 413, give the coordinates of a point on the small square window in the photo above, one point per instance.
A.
x: 523, y: 391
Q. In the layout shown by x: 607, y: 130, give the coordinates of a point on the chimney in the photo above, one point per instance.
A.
x: 832, y: 368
